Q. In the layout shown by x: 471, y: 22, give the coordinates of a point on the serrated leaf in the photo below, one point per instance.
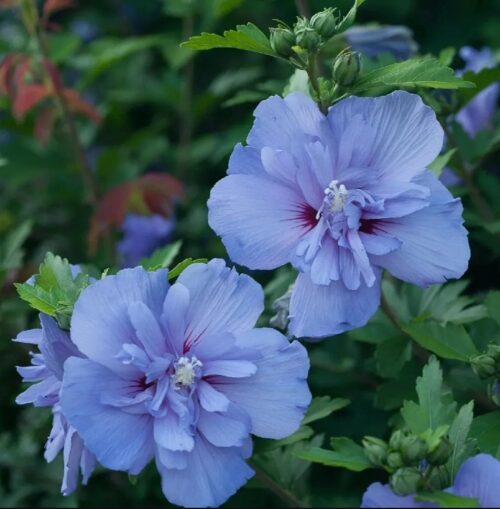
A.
x: 416, y: 72
x: 322, y: 407
x: 162, y: 257
x: 459, y: 431
x: 173, y: 273
x: 350, y: 17
x: 486, y: 430
x: 38, y: 298
x: 441, y: 161
x: 55, y: 273
x: 434, y: 409
x: 344, y: 454
x: 246, y: 37
x: 493, y: 305
x: 444, y: 499
x: 450, y: 342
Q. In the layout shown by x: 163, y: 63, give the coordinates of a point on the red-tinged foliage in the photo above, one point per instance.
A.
x: 9, y: 3
x: 52, y: 6
x: 156, y: 193
x: 8, y: 69
x: 78, y: 105
x: 27, y: 97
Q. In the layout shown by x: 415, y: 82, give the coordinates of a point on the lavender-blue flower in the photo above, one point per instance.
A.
x: 179, y: 373
x: 341, y: 196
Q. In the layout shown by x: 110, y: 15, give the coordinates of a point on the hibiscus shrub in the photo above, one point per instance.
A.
x: 264, y: 275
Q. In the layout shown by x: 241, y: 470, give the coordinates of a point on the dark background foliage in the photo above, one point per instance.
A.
x: 166, y: 109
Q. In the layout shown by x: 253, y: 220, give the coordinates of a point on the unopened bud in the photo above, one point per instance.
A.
x: 307, y: 37
x: 405, y: 481
x: 282, y: 40
x: 483, y: 365
x: 375, y: 450
x: 324, y: 23
x: 441, y: 454
x: 346, y: 68
x: 413, y: 449
x: 494, y: 351
x: 396, y: 438
x: 394, y: 460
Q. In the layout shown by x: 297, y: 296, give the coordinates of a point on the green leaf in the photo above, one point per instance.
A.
x: 246, y: 37
x: 391, y: 355
x: 162, y: 257
x: 350, y: 17
x: 42, y: 300
x: 450, y: 342
x: 459, y: 431
x: 345, y: 454
x: 493, y: 305
x: 322, y: 407
x: 416, y: 72
x: 446, y: 55
x: 444, y: 499
x: 55, y: 273
x: 303, y: 433
x: 441, y: 161
x: 486, y: 430
x: 434, y: 408
x: 173, y: 273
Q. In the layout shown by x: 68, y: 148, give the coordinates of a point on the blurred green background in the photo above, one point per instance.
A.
x: 166, y: 109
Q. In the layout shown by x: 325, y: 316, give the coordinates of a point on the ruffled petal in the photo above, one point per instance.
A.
x: 120, y: 440
x: 319, y: 311
x: 277, y: 396
x: 211, y: 476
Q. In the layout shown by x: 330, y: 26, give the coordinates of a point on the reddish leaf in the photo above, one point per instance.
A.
x: 27, y: 97
x: 9, y: 3
x: 157, y: 192
x: 78, y: 105
x: 44, y: 124
x: 8, y: 69
x: 54, y: 74
x: 52, y: 6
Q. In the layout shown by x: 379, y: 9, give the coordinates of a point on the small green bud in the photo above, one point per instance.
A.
x: 494, y: 351
x: 396, y: 438
x: 394, y: 460
x: 483, y: 365
x: 413, y: 449
x: 405, y: 481
x: 346, y: 68
x: 282, y: 40
x: 307, y: 37
x: 324, y: 23
x: 441, y: 454
x: 375, y: 450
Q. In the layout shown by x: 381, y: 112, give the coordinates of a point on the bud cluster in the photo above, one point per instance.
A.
x: 406, y: 456
x: 307, y: 35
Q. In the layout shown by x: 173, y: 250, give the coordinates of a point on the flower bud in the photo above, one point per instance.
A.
x: 282, y: 41
x: 394, y: 460
x: 375, y: 450
x: 405, y: 481
x: 307, y: 37
x: 324, y: 23
x: 395, y: 441
x: 483, y: 365
x: 413, y: 449
x: 494, y: 351
x: 441, y: 454
x: 346, y: 68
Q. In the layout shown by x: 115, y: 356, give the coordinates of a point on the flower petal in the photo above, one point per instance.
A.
x: 225, y: 429
x: 169, y: 434
x: 120, y: 440
x: 434, y: 245
x: 147, y: 329
x: 381, y: 495
x: 101, y: 324
x: 221, y: 300
x: 404, y: 134
x: 320, y: 311
x: 277, y: 396
x: 212, y: 475
x: 260, y: 220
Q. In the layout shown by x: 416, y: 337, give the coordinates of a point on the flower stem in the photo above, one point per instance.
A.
x: 282, y: 493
